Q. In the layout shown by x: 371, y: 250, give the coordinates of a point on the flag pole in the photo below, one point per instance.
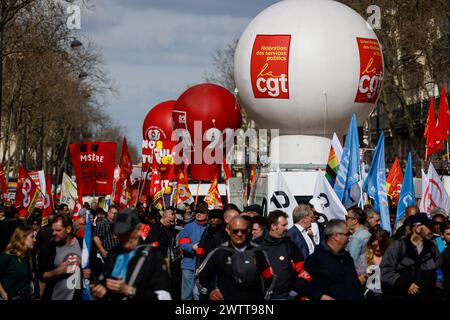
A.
x: 139, y: 188
x: 143, y: 185
x: 196, y: 196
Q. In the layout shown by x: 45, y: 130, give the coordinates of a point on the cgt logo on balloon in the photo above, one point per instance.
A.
x: 270, y: 66
x: 371, y: 70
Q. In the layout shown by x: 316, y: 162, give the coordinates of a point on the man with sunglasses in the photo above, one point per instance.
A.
x: 216, y: 274
x: 329, y: 273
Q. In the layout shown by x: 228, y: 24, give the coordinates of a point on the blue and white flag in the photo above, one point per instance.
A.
x: 87, y: 239
x: 349, y: 174
x: 375, y: 184
x: 407, y: 194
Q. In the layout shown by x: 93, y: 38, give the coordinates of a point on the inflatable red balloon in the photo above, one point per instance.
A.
x: 158, y: 123
x: 215, y: 108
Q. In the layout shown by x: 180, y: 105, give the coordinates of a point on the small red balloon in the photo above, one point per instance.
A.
x: 158, y: 124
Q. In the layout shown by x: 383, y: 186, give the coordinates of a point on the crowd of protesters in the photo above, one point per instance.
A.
x: 192, y: 253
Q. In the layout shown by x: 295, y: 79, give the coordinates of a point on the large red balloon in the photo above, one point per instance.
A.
x: 215, y: 107
x: 158, y: 124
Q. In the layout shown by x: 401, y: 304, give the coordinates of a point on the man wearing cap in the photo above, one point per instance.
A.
x: 213, y: 236
x: 188, y: 241
x: 116, y: 281
x: 408, y: 268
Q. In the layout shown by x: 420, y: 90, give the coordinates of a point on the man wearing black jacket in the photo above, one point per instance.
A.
x: 116, y: 281
x: 212, y: 237
x: 215, y: 275
x: 329, y: 273
x: 284, y: 256
x: 408, y: 268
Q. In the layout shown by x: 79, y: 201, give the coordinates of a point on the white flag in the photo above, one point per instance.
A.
x: 331, y: 206
x: 281, y: 198
x: 68, y: 191
x: 336, y: 144
x: 433, y: 192
x: 424, y: 186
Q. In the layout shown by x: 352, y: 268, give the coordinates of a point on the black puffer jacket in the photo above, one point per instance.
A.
x: 217, y: 272
x: 326, y: 272
x: 152, y: 277
x: 402, y: 265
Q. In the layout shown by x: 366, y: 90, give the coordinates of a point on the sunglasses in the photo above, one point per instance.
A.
x: 236, y: 231
x: 348, y: 218
x: 348, y: 234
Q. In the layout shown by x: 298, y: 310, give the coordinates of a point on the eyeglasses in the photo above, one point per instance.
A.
x: 348, y: 234
x: 236, y: 231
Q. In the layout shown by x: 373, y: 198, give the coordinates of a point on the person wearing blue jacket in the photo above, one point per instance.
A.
x: 188, y: 243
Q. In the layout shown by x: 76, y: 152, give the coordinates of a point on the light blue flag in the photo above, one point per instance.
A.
x: 85, y: 252
x: 375, y: 184
x: 349, y: 174
x: 407, y: 194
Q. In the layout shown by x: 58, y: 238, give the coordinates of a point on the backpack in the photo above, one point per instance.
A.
x: 244, y: 266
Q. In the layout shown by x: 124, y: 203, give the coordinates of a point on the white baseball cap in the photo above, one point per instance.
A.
x: 318, y: 204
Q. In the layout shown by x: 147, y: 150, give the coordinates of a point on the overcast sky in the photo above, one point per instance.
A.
x: 154, y: 49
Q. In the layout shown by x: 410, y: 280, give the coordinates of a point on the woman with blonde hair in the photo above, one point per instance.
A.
x: 15, y: 265
x: 368, y: 267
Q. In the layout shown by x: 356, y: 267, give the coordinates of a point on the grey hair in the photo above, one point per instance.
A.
x: 333, y: 226
x: 300, y: 212
x: 370, y: 212
x: 436, y: 211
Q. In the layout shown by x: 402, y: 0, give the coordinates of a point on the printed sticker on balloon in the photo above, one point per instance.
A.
x: 270, y: 66
x: 371, y: 70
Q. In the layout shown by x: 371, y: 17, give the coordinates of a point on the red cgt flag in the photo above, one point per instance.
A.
x: 48, y: 201
x: 26, y: 193
x: 122, y: 192
x: 433, y: 142
x: 443, y: 104
x: 394, y: 182
x: 156, y: 192
x: 125, y: 163
x: 443, y: 124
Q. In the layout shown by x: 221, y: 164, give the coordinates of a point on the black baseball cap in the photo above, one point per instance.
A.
x: 125, y: 221
x: 422, y: 218
x: 255, y: 208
